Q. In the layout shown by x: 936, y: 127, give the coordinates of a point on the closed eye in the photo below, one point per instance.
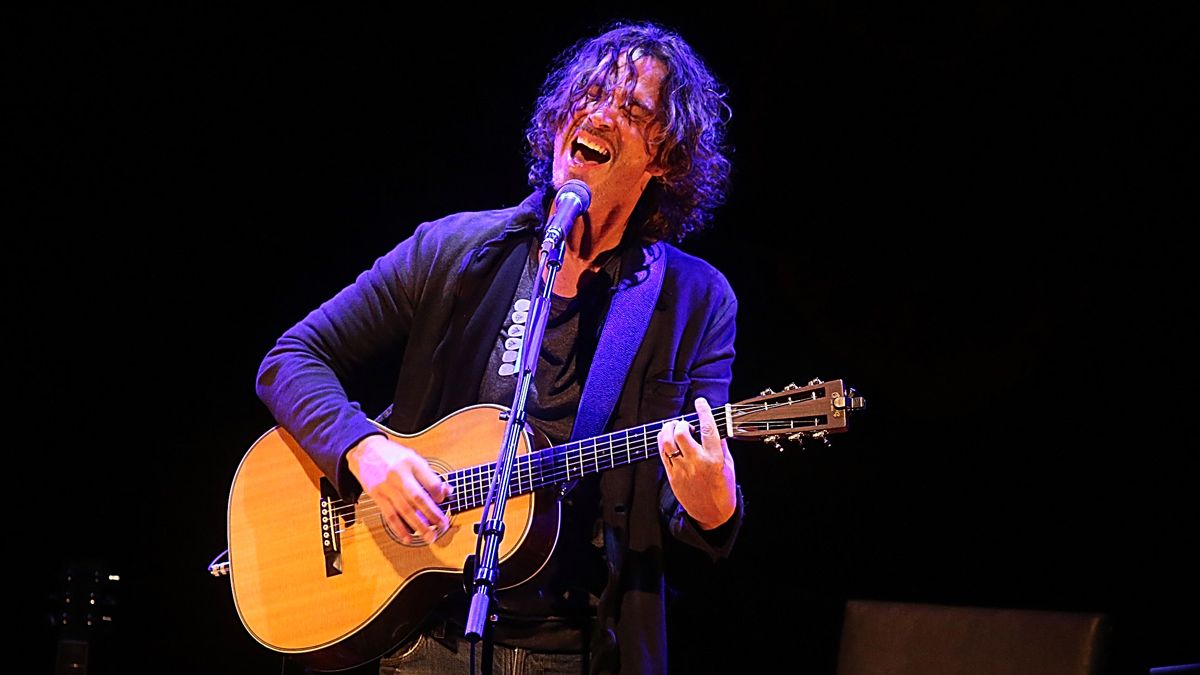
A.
x: 638, y: 112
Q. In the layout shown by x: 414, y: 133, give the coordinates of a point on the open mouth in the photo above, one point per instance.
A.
x: 584, y: 151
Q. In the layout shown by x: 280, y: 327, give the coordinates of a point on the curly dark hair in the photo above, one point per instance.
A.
x: 691, y: 118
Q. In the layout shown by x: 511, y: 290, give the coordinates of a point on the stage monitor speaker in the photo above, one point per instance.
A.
x: 891, y: 638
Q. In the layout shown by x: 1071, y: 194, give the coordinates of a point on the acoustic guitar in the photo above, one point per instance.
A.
x: 331, y: 584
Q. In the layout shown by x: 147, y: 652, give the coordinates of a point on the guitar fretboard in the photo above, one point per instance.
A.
x: 567, y: 462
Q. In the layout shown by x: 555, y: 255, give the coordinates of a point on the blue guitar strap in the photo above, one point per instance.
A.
x: 623, y: 332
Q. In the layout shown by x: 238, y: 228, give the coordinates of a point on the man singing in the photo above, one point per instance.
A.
x: 635, y: 115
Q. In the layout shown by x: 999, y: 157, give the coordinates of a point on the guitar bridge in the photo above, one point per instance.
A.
x: 331, y: 531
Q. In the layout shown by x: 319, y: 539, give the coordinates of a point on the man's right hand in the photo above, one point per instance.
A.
x: 402, y: 484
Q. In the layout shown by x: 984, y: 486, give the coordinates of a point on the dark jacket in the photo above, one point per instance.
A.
x: 442, y: 296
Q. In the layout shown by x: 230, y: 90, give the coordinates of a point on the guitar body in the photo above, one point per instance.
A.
x: 335, y: 602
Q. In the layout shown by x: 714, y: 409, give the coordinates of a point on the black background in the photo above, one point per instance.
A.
x: 971, y: 213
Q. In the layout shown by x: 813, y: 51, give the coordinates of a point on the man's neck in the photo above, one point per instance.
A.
x: 601, y: 231
x: 590, y: 238
x: 588, y: 242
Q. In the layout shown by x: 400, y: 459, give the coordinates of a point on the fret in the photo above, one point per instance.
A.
x: 541, y: 469
x: 541, y: 472
x: 475, y: 483
x: 560, y: 464
x: 602, y: 454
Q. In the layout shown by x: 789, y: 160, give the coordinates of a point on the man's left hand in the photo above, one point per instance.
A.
x: 701, y: 474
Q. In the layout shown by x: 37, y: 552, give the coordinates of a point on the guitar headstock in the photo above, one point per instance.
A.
x: 797, y: 413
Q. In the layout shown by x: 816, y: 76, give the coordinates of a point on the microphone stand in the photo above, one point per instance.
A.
x: 485, y: 561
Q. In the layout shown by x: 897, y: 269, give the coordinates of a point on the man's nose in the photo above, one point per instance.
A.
x: 601, y: 114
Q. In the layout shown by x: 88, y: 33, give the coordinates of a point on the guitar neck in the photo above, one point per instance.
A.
x: 812, y: 411
x: 570, y: 461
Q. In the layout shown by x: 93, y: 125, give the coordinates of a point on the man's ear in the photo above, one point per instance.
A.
x: 655, y: 168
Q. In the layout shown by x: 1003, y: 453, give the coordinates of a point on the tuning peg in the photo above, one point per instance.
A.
x: 766, y: 391
x: 797, y: 437
x: 791, y: 386
x: 849, y: 399
x: 773, y: 439
x: 823, y: 436
x: 856, y: 402
x: 815, y: 381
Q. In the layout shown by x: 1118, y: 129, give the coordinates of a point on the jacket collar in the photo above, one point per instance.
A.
x: 530, y: 214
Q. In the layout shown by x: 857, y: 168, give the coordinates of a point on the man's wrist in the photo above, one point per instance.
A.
x: 707, y: 526
x: 354, y: 454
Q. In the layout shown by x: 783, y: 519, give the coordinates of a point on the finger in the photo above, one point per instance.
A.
x: 425, y: 510
x: 666, y: 445
x: 684, y: 439
x: 709, y: 437
x: 403, y: 498
x: 418, y: 525
x: 390, y: 507
x: 433, y: 483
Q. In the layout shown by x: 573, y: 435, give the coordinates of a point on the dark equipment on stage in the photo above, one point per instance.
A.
x: 83, y: 613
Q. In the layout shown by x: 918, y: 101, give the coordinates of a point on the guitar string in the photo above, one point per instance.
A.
x: 468, y: 478
x: 471, y: 489
x: 477, y: 481
x: 472, y: 483
x: 474, y: 498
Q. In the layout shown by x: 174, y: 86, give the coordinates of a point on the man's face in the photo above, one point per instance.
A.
x: 605, y: 143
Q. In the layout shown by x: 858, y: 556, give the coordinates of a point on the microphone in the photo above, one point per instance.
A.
x: 572, y: 201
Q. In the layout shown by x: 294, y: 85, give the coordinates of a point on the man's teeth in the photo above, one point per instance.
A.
x: 592, y: 146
